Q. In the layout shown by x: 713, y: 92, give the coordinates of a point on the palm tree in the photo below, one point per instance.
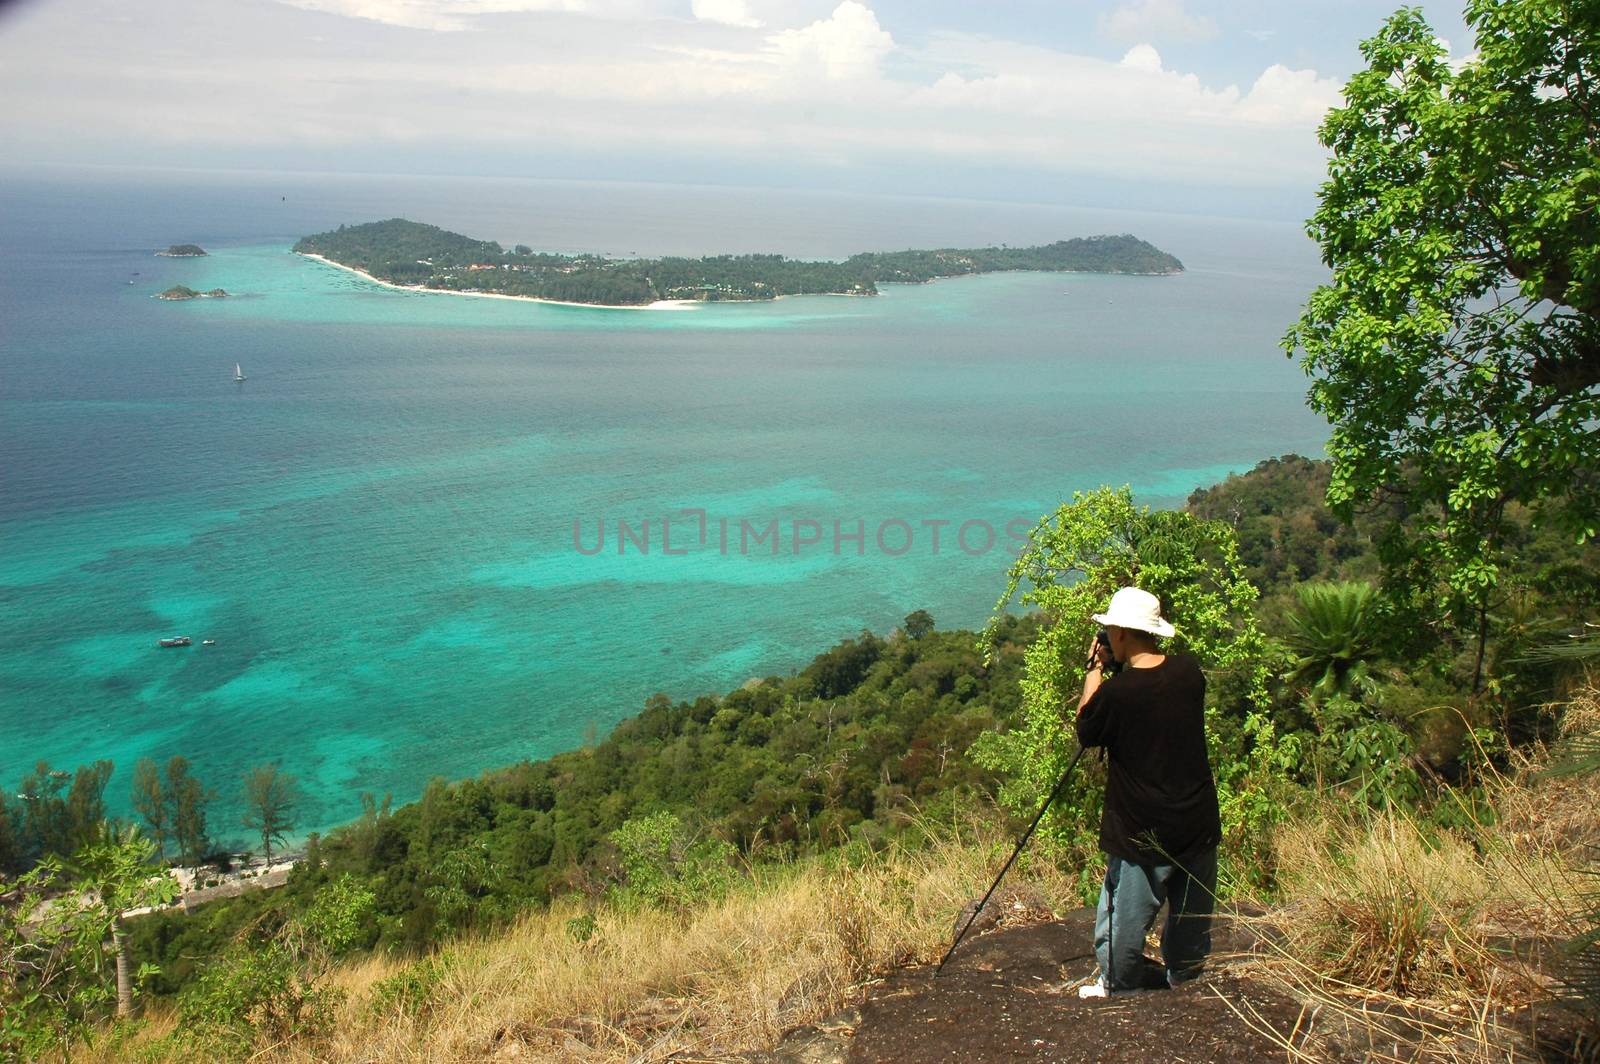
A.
x: 1580, y: 648
x: 1334, y: 631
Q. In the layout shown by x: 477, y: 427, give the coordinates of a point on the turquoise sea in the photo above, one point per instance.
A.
x: 377, y: 526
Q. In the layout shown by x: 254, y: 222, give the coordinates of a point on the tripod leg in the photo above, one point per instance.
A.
x: 1026, y: 835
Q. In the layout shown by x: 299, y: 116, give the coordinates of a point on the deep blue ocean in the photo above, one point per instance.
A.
x: 377, y: 527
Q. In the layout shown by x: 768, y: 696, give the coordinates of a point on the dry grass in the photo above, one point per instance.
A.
x: 1376, y: 904
x: 1404, y: 944
x: 1412, y: 942
x: 729, y: 977
x: 1558, y: 814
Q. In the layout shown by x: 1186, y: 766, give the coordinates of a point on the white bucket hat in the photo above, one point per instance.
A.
x: 1140, y: 610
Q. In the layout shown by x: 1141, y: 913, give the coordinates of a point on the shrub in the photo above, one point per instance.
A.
x: 664, y: 864
x: 412, y: 992
x: 340, y: 916
x: 255, y: 996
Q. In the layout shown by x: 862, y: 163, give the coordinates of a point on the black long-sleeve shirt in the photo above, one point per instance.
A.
x: 1161, y: 802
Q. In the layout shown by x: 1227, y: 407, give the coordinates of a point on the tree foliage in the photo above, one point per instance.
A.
x: 270, y: 797
x: 56, y: 813
x: 918, y: 623
x: 55, y: 921
x: 665, y: 863
x: 1456, y: 349
x: 188, y: 798
x: 150, y: 801
x: 1286, y: 532
x: 1073, y: 562
x: 257, y: 995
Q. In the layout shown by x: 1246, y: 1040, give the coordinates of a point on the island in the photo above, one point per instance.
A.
x: 407, y: 254
x: 183, y: 251
x: 181, y: 292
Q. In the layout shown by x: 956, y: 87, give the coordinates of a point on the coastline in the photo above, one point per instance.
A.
x: 660, y: 304
x: 684, y: 304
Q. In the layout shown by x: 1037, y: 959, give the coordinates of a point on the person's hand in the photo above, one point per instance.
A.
x: 1099, y: 654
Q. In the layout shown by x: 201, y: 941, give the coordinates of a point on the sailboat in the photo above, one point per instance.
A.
x: 238, y: 374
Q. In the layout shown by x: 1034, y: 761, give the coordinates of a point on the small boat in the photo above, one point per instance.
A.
x: 238, y: 374
x: 177, y: 641
x: 208, y: 642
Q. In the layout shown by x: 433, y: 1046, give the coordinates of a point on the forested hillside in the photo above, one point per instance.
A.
x: 870, y: 731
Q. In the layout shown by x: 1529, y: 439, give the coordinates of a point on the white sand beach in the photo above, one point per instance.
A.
x: 660, y: 304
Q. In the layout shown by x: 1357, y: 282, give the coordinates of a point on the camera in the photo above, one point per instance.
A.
x: 1103, y: 639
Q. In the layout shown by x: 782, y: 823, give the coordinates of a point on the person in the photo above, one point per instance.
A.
x: 1161, y: 824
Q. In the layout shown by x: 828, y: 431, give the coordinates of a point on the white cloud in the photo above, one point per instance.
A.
x: 1147, y: 20
x: 442, y: 15
x: 826, y: 90
x: 1143, y: 57
x: 1131, y: 116
x: 849, y: 44
x: 1281, y: 96
x: 729, y: 12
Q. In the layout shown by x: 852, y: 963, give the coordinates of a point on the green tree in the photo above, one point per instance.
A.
x: 256, y: 996
x: 10, y: 840
x: 86, y: 803
x: 150, y: 802
x: 188, y: 798
x: 270, y: 797
x: 339, y: 915
x: 1335, y: 631
x: 665, y: 863
x: 1073, y: 562
x: 459, y: 881
x: 918, y: 623
x: 61, y: 811
x: 115, y: 869
x: 1456, y: 350
x: 43, y: 812
x: 365, y: 834
x: 53, y: 929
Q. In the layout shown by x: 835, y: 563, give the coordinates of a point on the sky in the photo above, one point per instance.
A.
x: 1143, y: 104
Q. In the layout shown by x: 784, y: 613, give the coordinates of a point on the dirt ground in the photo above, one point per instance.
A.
x: 1011, y: 995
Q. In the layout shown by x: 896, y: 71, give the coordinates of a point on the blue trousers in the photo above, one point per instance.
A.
x: 1131, y: 897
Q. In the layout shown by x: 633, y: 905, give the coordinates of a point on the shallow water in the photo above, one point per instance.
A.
x: 377, y: 527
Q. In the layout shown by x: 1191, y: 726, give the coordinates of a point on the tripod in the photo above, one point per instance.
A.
x: 1026, y: 835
